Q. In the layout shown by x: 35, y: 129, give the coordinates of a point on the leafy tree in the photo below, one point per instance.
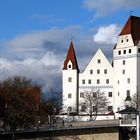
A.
x: 21, y: 98
x: 94, y: 102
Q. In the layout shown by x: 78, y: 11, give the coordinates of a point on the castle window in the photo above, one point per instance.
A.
x: 83, y: 108
x: 119, y: 52
x: 83, y: 81
x: 128, y: 80
x: 123, y: 62
x: 118, y: 93
x: 124, y: 51
x: 127, y: 40
x: 105, y: 71
x: 123, y: 71
x: 107, y: 81
x: 69, y: 66
x: 138, y: 50
x: 122, y: 41
x: 69, y: 79
x: 127, y: 93
x: 98, y: 81
x: 89, y: 81
x: 99, y: 61
x: 109, y: 94
x: 98, y: 71
x: 69, y: 108
x: 91, y: 71
x: 94, y: 108
x: 69, y: 95
x: 129, y: 50
x: 94, y: 94
x: 81, y: 94
x: 110, y: 108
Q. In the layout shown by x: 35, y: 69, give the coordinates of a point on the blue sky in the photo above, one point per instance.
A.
x: 35, y: 34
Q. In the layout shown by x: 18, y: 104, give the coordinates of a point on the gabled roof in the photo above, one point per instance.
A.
x: 72, y: 57
x: 132, y: 27
x: 128, y: 110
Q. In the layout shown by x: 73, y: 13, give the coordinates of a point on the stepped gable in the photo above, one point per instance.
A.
x: 132, y: 27
x: 71, y: 56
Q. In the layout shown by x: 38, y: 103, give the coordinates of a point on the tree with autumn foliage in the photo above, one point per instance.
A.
x: 21, y: 99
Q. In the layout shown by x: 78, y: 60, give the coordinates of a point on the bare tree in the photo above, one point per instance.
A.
x: 135, y: 100
x: 94, y: 102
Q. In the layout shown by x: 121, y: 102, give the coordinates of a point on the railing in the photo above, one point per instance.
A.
x: 127, y: 122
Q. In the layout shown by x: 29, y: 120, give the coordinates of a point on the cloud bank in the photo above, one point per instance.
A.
x: 106, y: 7
x: 39, y: 55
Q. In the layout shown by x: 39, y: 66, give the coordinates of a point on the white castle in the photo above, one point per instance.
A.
x: 118, y: 80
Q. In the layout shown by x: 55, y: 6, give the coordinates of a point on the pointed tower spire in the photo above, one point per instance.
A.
x: 71, y: 57
x: 132, y: 27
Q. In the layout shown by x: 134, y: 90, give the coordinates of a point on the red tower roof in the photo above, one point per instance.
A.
x: 71, y: 56
x: 132, y: 27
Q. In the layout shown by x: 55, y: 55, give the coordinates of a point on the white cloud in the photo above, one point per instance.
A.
x: 107, y: 34
x: 45, y: 71
x: 42, y: 54
x: 35, y: 43
x: 105, y: 7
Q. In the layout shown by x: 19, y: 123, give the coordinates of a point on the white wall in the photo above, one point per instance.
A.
x: 69, y: 88
x: 103, y: 86
x: 121, y: 84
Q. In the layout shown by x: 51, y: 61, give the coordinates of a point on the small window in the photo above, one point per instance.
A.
x: 118, y: 82
x: 105, y: 71
x: 123, y: 62
x: 83, y: 81
x: 99, y: 61
x: 83, y: 108
x: 69, y: 66
x: 107, y: 81
x: 81, y: 94
x: 110, y: 108
x: 69, y: 108
x: 128, y: 80
x: 98, y: 81
x: 94, y: 108
x: 91, y: 71
x: 69, y: 79
x: 109, y: 94
x: 122, y: 41
x: 89, y: 81
x: 69, y: 95
x: 118, y: 93
x: 128, y: 93
x: 138, y: 50
x: 129, y: 50
x: 118, y: 109
x: 119, y: 52
x: 94, y: 94
x: 124, y: 51
x: 127, y: 40
x: 98, y: 71
x: 123, y: 71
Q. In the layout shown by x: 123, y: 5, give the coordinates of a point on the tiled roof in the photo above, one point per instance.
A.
x: 71, y: 56
x: 132, y: 27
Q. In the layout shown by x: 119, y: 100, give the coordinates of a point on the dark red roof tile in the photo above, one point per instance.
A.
x: 132, y: 27
x: 71, y: 56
